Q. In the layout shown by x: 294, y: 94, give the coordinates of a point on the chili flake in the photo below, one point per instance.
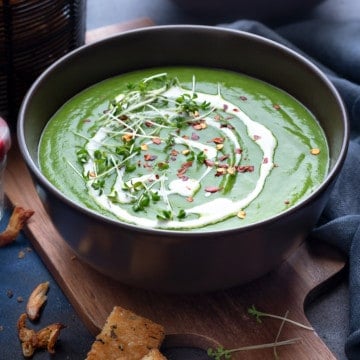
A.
x: 184, y: 167
x: 223, y: 157
x: 315, y: 151
x: 257, y: 137
x: 212, y: 189
x: 217, y: 140
x: 195, y: 136
x: 199, y: 125
x: 127, y: 137
x: 156, y: 141
x: 265, y: 160
x: 244, y: 168
x: 149, y: 157
x: 220, y: 171
x: 276, y: 106
x: 243, y: 98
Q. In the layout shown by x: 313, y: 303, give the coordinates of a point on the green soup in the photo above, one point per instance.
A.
x: 184, y: 148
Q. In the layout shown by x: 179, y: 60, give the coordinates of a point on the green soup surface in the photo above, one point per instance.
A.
x: 185, y: 149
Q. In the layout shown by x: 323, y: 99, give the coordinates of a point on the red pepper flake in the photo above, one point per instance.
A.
x: 220, y: 171
x: 86, y: 120
x: 212, y: 189
x: 265, y: 160
x: 156, y: 141
x: 257, y: 137
x: 185, y: 137
x: 200, y: 125
x: 123, y: 117
x: 149, y: 124
x: 225, y: 107
x: 276, y: 106
x: 217, y: 140
x: 223, y: 166
x: 127, y: 137
x: 243, y: 98
x: 238, y: 151
x: 286, y: 202
x: 174, y: 152
x: 223, y: 157
x: 217, y: 117
x: 190, y: 199
x: 244, y: 168
x: 195, y: 137
x: 184, y: 178
x: 149, y: 157
x: 315, y: 151
x: 236, y: 110
x: 184, y: 167
x: 209, y: 163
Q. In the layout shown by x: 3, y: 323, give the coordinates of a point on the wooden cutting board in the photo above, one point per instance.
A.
x: 202, y: 320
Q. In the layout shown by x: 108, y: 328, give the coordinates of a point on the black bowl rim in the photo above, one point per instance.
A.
x: 332, y: 174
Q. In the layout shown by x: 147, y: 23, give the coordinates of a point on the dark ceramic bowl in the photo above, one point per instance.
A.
x: 264, y: 10
x: 178, y: 261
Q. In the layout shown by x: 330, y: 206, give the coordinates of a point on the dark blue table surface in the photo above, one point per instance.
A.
x: 20, y: 274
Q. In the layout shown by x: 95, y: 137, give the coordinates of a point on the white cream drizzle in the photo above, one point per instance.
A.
x: 211, y: 211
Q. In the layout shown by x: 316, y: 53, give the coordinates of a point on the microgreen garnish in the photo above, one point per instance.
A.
x: 181, y: 214
x: 82, y: 156
x: 165, y: 215
x: 259, y: 314
x: 98, y: 185
x: 187, y: 103
x: 154, y: 145
x: 220, y: 353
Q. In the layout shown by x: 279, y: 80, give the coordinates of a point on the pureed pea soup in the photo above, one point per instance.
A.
x: 184, y: 148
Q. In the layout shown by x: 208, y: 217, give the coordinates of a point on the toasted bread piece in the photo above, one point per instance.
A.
x: 126, y: 335
x: 154, y: 354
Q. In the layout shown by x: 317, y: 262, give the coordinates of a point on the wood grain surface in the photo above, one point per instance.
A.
x: 195, y: 320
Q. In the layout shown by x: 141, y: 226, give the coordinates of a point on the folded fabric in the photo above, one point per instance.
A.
x: 335, y: 48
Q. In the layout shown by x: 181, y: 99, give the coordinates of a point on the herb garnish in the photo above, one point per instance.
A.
x: 155, y: 146
x: 221, y: 353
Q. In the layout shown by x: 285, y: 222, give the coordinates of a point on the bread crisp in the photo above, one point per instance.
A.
x: 154, y: 354
x: 126, y: 335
